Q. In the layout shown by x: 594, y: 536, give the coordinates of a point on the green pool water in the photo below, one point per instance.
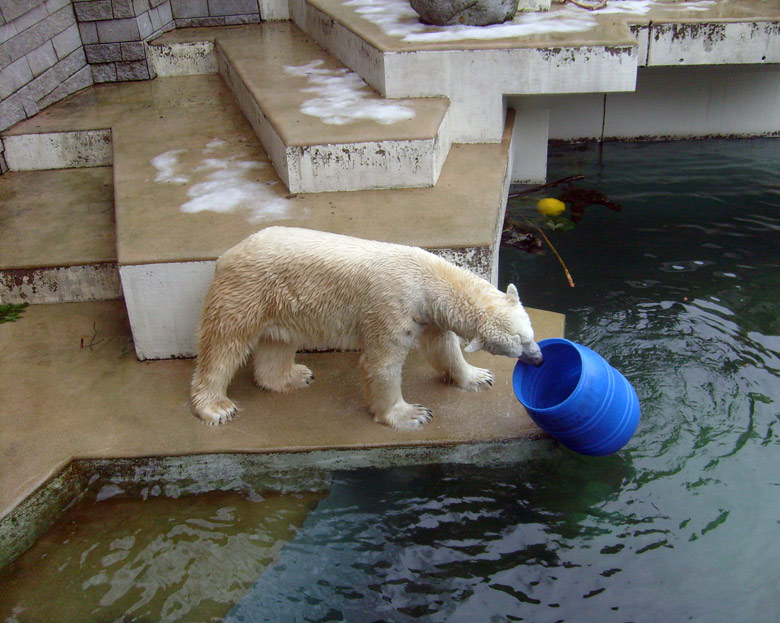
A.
x: 679, y: 290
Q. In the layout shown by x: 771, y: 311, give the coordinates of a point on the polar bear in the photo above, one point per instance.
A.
x: 284, y: 289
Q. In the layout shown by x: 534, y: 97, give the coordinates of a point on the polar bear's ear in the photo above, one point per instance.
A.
x: 474, y: 345
x: 511, y: 292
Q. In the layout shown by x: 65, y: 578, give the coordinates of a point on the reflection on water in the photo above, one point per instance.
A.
x: 679, y: 291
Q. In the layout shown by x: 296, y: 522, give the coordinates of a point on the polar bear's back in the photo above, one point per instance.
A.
x: 317, y: 258
x: 321, y: 287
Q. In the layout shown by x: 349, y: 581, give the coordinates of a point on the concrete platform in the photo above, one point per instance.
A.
x: 72, y: 388
x: 57, y: 239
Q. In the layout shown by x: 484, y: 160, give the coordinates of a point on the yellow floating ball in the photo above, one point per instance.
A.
x: 550, y: 206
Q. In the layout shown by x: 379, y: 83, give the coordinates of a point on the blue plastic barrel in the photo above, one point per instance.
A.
x: 578, y: 398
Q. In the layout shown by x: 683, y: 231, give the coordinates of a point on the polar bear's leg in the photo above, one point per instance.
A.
x: 275, y: 367
x: 381, y: 369
x: 442, y: 348
x: 217, y: 362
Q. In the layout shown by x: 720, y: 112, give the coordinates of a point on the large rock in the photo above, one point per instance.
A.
x: 468, y: 12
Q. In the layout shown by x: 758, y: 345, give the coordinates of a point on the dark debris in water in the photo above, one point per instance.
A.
x: 577, y: 199
x: 520, y: 237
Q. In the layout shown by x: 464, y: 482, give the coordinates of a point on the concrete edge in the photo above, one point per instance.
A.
x: 58, y: 150
x: 60, y: 284
x: 304, y: 470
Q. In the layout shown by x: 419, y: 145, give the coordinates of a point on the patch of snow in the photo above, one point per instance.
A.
x: 166, y: 167
x: 397, y: 18
x: 215, y: 144
x: 343, y: 97
x: 222, y: 184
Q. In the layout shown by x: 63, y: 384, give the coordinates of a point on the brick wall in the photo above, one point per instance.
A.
x: 41, y: 57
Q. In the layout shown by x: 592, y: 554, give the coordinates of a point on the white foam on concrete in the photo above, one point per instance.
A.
x: 342, y: 97
x: 222, y: 183
x: 397, y: 18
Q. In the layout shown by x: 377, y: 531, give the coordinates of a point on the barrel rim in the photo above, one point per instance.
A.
x: 542, y: 344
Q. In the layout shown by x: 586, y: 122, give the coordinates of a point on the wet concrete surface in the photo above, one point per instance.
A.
x: 57, y: 218
x: 72, y: 388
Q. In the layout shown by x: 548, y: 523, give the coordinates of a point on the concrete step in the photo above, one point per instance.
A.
x: 474, y: 67
x: 191, y: 180
x: 567, y: 50
x: 324, y: 128
x: 57, y: 241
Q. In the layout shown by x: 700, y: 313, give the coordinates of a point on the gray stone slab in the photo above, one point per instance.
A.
x: 132, y: 51
x: 17, y: 107
x: 14, y: 76
x: 105, y: 72
x: 7, y: 31
x: 134, y: 70
x: 88, y: 32
x: 67, y: 41
x: 29, y: 40
x: 103, y: 53
x: 140, y: 6
x: 118, y: 30
x: 123, y: 8
x: 233, y: 7
x: 55, y: 5
x: 200, y: 22
x: 51, y: 79
x: 80, y: 80
x: 31, y: 17
x: 154, y: 17
x: 12, y: 9
x: 237, y: 20
x: 144, y: 25
x: 165, y: 12
x: 42, y: 58
x: 189, y: 8
x: 93, y: 11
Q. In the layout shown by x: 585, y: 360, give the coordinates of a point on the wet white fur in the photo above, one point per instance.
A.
x: 285, y: 289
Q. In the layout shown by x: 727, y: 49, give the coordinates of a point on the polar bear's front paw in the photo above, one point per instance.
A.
x: 297, y: 377
x: 406, y: 416
x: 215, y: 412
x: 476, y: 379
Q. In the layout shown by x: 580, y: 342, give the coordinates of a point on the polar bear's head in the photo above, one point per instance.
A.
x: 506, y: 330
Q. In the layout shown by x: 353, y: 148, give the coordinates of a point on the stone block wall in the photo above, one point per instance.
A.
x: 42, y: 58
x: 188, y: 13
x: 113, y: 33
x: 52, y: 48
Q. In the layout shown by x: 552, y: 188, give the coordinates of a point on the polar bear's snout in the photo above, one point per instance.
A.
x: 532, y: 354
